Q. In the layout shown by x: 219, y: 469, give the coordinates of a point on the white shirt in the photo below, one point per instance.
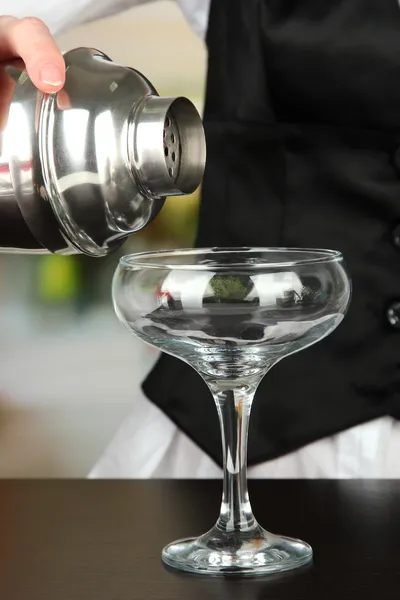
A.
x: 60, y: 15
x: 148, y: 443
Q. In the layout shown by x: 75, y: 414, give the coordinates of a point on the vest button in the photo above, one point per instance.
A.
x: 396, y: 159
x: 393, y: 315
x: 396, y: 236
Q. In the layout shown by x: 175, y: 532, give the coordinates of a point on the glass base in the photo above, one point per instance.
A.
x: 237, y: 553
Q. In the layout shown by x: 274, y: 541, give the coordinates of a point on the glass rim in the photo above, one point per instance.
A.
x: 152, y: 259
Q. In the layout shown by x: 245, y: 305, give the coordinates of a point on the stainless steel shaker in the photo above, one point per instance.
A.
x: 82, y: 169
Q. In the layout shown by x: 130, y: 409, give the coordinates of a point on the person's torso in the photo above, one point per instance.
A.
x: 302, y: 118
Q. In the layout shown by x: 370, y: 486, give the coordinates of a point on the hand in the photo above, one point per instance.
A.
x: 32, y: 41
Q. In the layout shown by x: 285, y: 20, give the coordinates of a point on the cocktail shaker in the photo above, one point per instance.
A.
x: 84, y: 168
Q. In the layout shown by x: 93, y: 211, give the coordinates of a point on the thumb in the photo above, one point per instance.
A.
x: 31, y: 40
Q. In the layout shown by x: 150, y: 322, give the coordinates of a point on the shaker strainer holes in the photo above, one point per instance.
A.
x: 166, y: 151
x: 173, y: 156
x: 172, y: 138
x: 171, y: 172
x: 167, y: 122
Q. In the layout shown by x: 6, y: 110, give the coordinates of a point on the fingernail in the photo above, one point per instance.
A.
x: 51, y: 74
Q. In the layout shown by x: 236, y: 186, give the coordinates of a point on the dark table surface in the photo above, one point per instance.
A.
x: 101, y: 540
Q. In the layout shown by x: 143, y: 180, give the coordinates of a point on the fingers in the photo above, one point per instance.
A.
x: 31, y: 40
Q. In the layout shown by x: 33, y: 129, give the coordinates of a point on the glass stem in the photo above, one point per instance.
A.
x: 234, y: 406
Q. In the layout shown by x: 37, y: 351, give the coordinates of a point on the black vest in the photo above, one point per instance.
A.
x: 302, y: 120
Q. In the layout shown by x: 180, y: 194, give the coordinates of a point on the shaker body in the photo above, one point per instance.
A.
x: 82, y: 169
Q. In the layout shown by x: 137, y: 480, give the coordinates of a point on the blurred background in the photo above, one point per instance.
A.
x: 69, y: 372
